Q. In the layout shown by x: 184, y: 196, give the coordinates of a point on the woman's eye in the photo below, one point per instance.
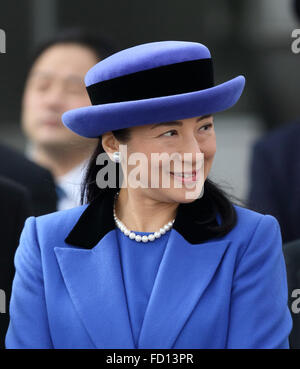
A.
x: 170, y: 133
x: 206, y: 127
x: 167, y: 134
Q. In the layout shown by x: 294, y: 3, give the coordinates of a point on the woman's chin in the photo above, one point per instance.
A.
x: 183, y: 195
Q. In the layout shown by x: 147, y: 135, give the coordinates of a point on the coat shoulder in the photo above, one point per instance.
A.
x: 54, y: 227
x: 248, y: 220
x: 247, y: 215
x: 255, y: 233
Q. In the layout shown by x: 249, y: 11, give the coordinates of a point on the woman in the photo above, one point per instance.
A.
x: 153, y: 265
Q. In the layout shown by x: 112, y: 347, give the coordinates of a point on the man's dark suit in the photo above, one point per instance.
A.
x: 15, y: 207
x: 37, y: 180
x: 275, y: 178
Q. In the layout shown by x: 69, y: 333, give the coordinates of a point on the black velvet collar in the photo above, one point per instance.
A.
x: 194, y: 221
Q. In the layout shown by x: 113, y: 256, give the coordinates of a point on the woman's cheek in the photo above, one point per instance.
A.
x: 208, y: 160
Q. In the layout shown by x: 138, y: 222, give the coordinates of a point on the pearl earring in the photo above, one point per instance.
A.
x: 117, y: 156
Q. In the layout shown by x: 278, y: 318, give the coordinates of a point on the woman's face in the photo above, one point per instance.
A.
x: 189, y: 146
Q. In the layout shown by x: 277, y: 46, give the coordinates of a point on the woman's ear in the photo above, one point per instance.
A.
x: 110, y: 144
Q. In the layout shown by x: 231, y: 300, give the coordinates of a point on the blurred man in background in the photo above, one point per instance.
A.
x: 15, y: 208
x: 55, y: 84
x: 275, y: 189
x: 275, y: 178
x: 275, y: 174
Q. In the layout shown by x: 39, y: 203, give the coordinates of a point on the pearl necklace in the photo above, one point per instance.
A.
x: 136, y: 237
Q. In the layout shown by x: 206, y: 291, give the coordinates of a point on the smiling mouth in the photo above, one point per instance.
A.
x: 186, y: 176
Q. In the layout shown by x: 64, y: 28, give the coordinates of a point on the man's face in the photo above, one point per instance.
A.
x: 55, y: 85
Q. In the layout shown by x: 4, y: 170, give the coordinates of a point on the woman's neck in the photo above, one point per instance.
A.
x: 142, y: 213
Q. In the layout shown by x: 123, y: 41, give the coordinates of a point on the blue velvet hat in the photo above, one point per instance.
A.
x: 151, y: 83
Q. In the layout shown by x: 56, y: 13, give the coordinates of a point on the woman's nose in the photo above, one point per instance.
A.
x: 191, y: 152
x: 190, y: 145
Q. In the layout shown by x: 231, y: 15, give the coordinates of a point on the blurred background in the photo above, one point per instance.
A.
x: 249, y: 37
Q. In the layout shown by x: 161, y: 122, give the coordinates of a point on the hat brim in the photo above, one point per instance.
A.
x: 93, y: 121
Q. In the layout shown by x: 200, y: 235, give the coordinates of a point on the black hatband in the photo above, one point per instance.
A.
x: 172, y: 79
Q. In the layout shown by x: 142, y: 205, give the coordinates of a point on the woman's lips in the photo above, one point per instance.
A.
x: 186, y: 177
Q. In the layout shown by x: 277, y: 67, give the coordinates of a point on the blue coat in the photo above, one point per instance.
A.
x: 226, y: 292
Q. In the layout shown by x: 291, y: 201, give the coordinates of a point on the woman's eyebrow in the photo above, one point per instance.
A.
x: 178, y: 122
x: 174, y: 123
x: 204, y: 117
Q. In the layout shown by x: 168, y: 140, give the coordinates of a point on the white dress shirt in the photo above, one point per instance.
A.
x: 70, y: 187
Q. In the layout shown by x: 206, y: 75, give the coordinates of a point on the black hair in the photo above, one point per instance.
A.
x: 100, y: 45
x: 213, y: 194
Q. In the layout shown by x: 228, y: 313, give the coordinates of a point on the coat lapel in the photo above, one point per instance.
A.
x: 184, y: 273
x: 94, y: 281
x: 93, y: 275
